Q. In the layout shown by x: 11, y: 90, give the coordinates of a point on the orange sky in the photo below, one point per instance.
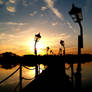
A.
x: 20, y: 21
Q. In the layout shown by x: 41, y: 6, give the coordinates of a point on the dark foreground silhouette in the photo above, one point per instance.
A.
x: 54, y: 77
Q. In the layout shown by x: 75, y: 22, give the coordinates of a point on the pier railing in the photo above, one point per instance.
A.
x: 77, y: 75
x: 20, y: 76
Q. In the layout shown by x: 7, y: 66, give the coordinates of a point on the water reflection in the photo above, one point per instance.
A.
x: 82, y: 75
x: 78, y: 76
x: 10, y: 84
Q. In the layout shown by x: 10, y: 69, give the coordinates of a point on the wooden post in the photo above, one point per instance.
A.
x: 36, y: 70
x: 64, y: 60
x: 20, y: 77
x: 39, y: 68
x: 78, y: 76
x: 72, y: 73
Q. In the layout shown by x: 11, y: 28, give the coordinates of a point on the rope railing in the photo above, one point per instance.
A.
x: 16, y: 87
x: 28, y: 79
x: 20, y: 67
x: 9, y: 76
x: 68, y: 67
x: 28, y: 68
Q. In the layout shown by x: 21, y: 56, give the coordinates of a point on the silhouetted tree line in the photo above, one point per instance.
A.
x: 9, y: 58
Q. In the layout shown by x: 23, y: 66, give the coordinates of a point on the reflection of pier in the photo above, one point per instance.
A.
x: 55, y: 75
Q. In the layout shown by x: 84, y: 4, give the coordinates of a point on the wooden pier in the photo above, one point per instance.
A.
x: 53, y: 77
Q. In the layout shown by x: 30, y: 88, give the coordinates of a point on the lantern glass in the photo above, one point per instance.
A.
x: 37, y: 37
x: 80, y: 15
x: 76, y: 13
x: 62, y: 43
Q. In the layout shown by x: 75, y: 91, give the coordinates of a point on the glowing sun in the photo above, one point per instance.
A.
x: 40, y: 47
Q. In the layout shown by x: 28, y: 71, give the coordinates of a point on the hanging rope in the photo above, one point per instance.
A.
x: 28, y: 68
x: 16, y: 87
x: 68, y: 67
x: 9, y: 76
x: 28, y: 79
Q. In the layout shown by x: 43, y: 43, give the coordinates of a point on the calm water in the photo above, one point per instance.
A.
x: 86, y: 74
x: 10, y: 84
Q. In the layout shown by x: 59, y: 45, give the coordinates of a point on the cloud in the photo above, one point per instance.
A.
x: 2, y: 35
x: 15, y: 23
x: 43, y: 8
x: 54, y: 23
x: 50, y: 4
x: 1, y: 2
x: 41, y: 15
x: 5, y: 36
x: 25, y: 3
x: 64, y: 36
x: 70, y: 26
x: 11, y: 9
x: 12, y: 1
x: 33, y: 13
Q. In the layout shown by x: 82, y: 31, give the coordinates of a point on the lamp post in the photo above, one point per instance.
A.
x: 37, y: 38
x: 47, y: 50
x: 76, y: 14
x: 62, y: 44
x: 20, y: 73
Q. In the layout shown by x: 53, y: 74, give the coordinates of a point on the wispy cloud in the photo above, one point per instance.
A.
x: 11, y: 6
x: 13, y: 23
x: 11, y: 9
x: 8, y: 37
x: 54, y: 23
x: 25, y: 3
x: 50, y: 4
x: 12, y: 1
x: 1, y: 2
x: 63, y: 36
x: 33, y: 13
x: 43, y: 8
x: 70, y: 26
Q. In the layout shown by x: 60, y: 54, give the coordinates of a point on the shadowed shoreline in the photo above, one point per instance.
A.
x: 53, y: 76
x: 10, y: 58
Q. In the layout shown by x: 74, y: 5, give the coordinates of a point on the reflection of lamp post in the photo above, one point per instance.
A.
x: 62, y: 44
x: 60, y: 51
x: 76, y: 14
x: 48, y: 49
x: 37, y: 38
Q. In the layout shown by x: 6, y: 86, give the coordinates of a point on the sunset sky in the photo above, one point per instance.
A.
x: 20, y: 20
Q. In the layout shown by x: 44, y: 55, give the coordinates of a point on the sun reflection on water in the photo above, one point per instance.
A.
x: 14, y: 80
